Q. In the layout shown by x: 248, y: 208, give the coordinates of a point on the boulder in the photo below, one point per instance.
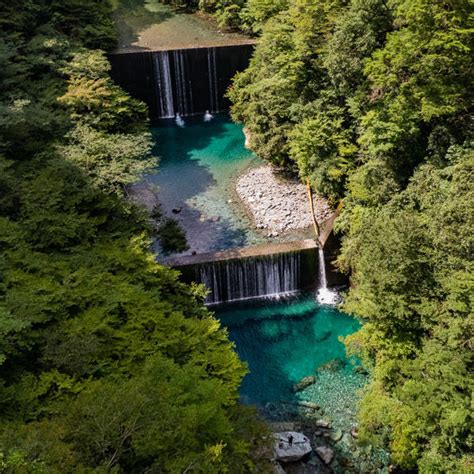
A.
x: 304, y: 382
x: 285, y: 451
x: 176, y: 210
x: 325, y: 453
x: 322, y: 424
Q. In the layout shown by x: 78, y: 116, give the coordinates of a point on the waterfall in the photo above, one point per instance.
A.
x: 323, y: 282
x: 325, y: 295
x: 189, y: 81
x: 161, y: 61
x: 180, y: 81
x: 212, y: 79
x: 252, y: 277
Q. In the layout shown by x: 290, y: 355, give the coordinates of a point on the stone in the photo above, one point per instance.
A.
x: 304, y: 383
x: 310, y: 405
x: 336, y: 435
x: 176, y: 210
x: 285, y: 198
x: 322, y: 424
x: 325, y: 453
x: 298, y: 449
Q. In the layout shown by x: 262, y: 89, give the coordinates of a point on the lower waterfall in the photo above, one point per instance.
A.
x: 325, y: 295
x: 240, y: 279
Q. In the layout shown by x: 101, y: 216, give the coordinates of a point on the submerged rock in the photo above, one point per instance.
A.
x: 282, y: 426
x: 333, y: 365
x: 325, y: 453
x: 291, y: 446
x: 309, y: 405
x: 322, y: 337
x: 304, y: 382
x: 336, y: 435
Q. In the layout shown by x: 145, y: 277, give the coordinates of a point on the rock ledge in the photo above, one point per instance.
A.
x: 286, y: 452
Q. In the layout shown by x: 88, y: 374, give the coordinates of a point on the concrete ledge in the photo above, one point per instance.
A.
x: 244, y: 252
x: 141, y: 50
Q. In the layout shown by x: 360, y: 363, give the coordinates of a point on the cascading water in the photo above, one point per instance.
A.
x: 212, y: 78
x: 325, y: 295
x: 265, y: 276
x: 189, y: 81
x: 161, y: 61
x: 179, y: 89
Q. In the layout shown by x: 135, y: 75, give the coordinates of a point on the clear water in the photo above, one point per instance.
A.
x: 282, y: 342
x: 198, y: 166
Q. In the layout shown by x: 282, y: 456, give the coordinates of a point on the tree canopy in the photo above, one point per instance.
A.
x: 107, y: 362
x: 371, y: 101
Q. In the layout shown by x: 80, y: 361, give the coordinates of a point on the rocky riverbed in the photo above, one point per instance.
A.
x: 325, y: 413
x: 278, y: 205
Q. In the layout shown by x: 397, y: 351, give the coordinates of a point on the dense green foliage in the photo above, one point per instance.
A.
x: 248, y: 16
x: 371, y: 100
x: 107, y: 362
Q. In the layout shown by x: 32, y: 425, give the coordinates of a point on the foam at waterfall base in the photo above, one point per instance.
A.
x: 327, y: 296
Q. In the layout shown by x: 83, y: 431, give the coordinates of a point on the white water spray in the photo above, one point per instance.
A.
x: 325, y: 295
x: 179, y: 121
x: 208, y: 116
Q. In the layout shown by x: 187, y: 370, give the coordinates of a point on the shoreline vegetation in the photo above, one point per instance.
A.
x: 107, y: 362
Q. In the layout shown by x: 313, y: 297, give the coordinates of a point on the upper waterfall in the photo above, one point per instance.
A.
x: 181, y: 81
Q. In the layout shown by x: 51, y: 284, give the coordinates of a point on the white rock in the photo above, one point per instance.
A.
x: 322, y: 424
x: 286, y: 452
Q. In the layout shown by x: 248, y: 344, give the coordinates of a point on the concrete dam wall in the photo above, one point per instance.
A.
x: 182, y: 81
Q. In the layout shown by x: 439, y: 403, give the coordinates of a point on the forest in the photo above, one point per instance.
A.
x: 108, y: 363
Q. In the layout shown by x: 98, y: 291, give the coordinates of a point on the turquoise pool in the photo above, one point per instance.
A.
x: 198, y: 165
x: 282, y: 342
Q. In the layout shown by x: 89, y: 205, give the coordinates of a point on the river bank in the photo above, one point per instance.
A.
x: 278, y: 205
x: 153, y: 26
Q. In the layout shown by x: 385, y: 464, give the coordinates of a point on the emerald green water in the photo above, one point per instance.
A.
x: 198, y: 165
x: 283, y: 342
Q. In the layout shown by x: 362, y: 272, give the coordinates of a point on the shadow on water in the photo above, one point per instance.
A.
x: 197, y: 164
